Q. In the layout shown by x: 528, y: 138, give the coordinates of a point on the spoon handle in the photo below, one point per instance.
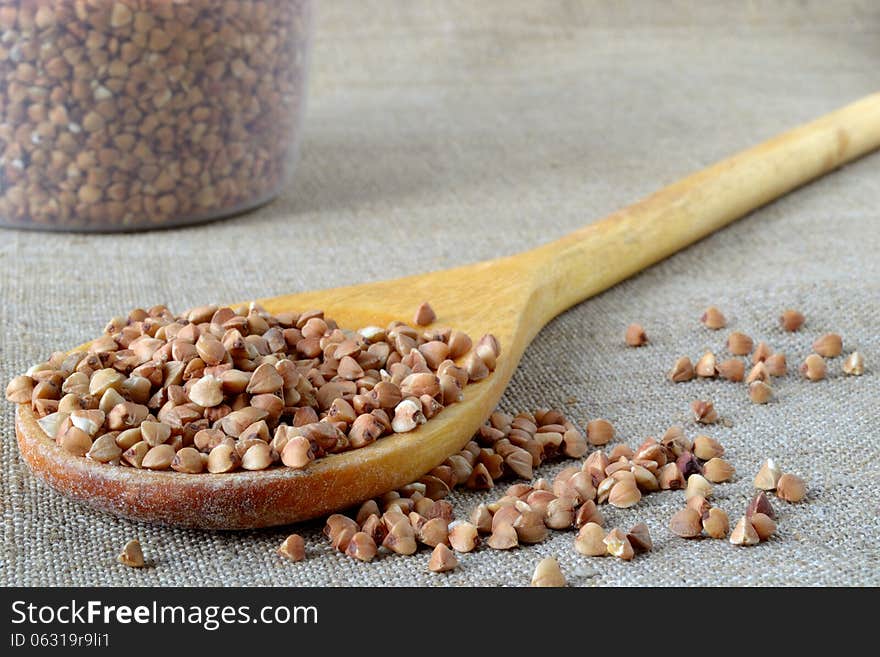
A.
x: 604, y: 253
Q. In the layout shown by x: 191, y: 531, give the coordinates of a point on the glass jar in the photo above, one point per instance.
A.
x: 133, y: 114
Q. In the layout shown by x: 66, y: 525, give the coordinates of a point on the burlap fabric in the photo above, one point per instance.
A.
x: 448, y: 132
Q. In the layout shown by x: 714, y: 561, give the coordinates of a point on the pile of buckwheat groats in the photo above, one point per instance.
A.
x: 510, y: 446
x: 400, y: 521
x: 326, y: 386
x: 217, y: 389
x: 124, y: 113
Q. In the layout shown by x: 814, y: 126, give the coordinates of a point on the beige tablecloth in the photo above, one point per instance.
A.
x: 448, y: 132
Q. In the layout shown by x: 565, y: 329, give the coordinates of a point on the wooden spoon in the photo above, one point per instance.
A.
x: 511, y: 297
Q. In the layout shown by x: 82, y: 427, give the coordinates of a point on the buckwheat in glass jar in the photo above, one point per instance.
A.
x: 133, y: 114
